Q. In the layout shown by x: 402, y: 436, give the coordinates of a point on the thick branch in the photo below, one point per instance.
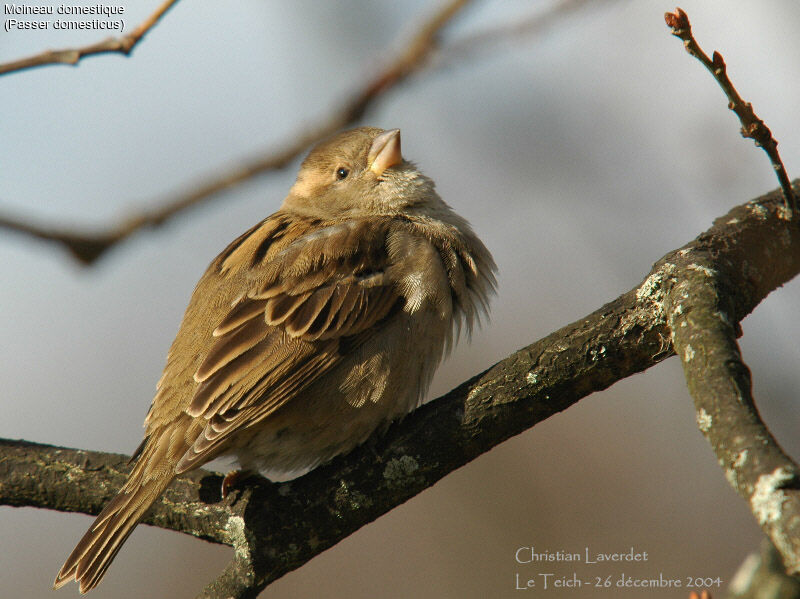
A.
x: 71, y: 56
x: 276, y: 528
x: 704, y: 297
x: 74, y: 480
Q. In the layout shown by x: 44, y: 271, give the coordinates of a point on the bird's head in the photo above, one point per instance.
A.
x: 360, y: 172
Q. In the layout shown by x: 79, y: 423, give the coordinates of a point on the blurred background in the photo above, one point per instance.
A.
x: 581, y: 153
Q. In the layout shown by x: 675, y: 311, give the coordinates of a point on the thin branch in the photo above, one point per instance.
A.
x: 419, y: 52
x: 71, y: 56
x: 276, y: 528
x: 84, y: 247
x: 511, y: 33
x: 752, y: 126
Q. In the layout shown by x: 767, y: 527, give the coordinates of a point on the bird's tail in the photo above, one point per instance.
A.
x: 94, y: 553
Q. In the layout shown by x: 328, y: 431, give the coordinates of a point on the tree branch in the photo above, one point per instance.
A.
x: 71, y: 56
x: 703, y: 299
x: 75, y: 480
x: 752, y: 126
x: 275, y: 528
x: 519, y: 29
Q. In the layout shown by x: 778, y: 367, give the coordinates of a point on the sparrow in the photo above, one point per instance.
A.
x: 318, y: 326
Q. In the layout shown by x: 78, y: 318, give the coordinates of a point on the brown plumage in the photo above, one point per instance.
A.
x: 316, y: 327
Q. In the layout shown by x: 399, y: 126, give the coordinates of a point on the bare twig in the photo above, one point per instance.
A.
x: 419, y: 52
x: 752, y: 126
x: 277, y: 528
x: 84, y: 247
x: 520, y: 28
x: 71, y: 56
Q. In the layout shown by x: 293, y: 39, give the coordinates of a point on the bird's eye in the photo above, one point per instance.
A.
x: 341, y: 173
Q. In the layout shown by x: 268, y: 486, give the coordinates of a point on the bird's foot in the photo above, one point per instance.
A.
x: 232, y: 479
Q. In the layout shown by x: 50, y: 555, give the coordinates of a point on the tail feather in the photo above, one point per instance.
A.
x: 94, y: 553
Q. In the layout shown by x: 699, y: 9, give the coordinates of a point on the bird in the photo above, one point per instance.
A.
x: 318, y: 326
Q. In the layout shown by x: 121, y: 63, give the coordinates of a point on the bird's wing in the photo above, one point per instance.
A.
x: 317, y: 299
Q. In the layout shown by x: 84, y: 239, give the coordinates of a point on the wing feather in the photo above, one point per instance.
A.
x: 241, y: 313
x: 314, y: 305
x: 281, y: 307
x: 232, y: 345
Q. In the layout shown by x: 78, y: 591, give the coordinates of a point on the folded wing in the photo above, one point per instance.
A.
x: 318, y: 298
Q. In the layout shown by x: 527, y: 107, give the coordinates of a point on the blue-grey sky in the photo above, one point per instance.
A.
x: 581, y: 155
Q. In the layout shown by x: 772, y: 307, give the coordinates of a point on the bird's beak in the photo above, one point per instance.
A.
x: 385, y: 152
